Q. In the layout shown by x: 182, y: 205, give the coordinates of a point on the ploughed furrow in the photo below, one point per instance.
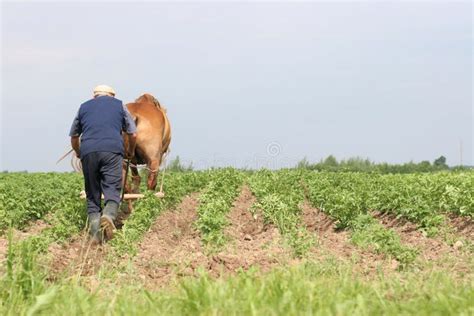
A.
x: 78, y: 256
x: 34, y: 228
x: 336, y: 243
x: 463, y: 225
x: 252, y: 242
x: 172, y: 247
x: 433, y: 252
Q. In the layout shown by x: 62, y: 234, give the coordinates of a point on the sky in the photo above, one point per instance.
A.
x: 246, y: 84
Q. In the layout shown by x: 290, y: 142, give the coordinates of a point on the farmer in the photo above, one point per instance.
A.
x: 96, y: 137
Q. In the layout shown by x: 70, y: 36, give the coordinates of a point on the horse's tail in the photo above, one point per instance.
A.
x: 166, y: 131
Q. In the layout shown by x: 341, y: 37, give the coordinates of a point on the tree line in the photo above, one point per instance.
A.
x: 357, y: 164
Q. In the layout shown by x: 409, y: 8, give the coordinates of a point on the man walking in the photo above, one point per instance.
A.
x: 96, y: 137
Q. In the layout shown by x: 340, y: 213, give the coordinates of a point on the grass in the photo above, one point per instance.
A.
x: 323, y: 288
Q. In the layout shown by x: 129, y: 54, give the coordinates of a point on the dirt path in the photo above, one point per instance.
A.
x: 77, y: 256
x: 336, y: 244
x: 252, y: 243
x: 463, y: 225
x: 172, y: 247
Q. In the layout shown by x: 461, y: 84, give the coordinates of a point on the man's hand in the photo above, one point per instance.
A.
x: 75, y: 143
x: 130, y: 149
x: 129, y: 154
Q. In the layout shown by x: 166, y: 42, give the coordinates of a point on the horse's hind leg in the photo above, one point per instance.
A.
x: 153, y: 166
x: 135, y: 179
x: 125, y: 185
x: 126, y: 208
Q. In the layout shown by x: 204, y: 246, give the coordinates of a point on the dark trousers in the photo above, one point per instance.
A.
x: 102, y: 174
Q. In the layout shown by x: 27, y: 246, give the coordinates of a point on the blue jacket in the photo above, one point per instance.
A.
x: 100, y: 122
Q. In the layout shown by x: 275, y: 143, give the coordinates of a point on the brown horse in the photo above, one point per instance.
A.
x: 153, y: 139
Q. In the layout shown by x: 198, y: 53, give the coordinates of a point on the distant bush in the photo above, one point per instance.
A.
x: 177, y: 166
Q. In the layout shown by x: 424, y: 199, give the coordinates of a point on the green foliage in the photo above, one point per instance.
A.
x: 215, y: 202
x: 327, y: 288
x: 420, y: 198
x: 23, y: 278
x: 26, y: 197
x: 367, y: 233
x: 323, y: 288
x: 279, y: 195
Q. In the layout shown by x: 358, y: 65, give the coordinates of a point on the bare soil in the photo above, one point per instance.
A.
x: 430, y: 248
x: 34, y: 228
x: 79, y: 256
x: 252, y: 242
x: 463, y: 225
x: 335, y: 243
x: 433, y: 252
x: 173, y: 247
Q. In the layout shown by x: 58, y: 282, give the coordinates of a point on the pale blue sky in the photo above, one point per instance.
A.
x: 246, y: 84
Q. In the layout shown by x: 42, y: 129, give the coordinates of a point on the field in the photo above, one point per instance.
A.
x: 226, y: 241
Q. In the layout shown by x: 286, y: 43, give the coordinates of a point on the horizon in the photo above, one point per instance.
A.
x: 188, y: 165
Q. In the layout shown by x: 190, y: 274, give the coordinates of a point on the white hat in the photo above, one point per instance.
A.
x: 103, y: 89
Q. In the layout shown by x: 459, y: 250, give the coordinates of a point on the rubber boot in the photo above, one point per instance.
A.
x: 94, y: 228
x: 108, y: 217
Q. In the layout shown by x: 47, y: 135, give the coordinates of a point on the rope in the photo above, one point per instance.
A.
x: 143, y: 167
x: 164, y: 170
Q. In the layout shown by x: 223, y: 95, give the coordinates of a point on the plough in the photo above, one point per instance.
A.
x: 128, y: 196
x: 76, y: 165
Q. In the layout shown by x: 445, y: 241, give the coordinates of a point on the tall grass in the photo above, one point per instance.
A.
x: 325, y: 288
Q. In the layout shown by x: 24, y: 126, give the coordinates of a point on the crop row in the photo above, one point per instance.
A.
x: 176, y: 186
x: 279, y: 195
x: 215, y: 202
x: 27, y: 197
x: 420, y: 198
x: 70, y: 214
